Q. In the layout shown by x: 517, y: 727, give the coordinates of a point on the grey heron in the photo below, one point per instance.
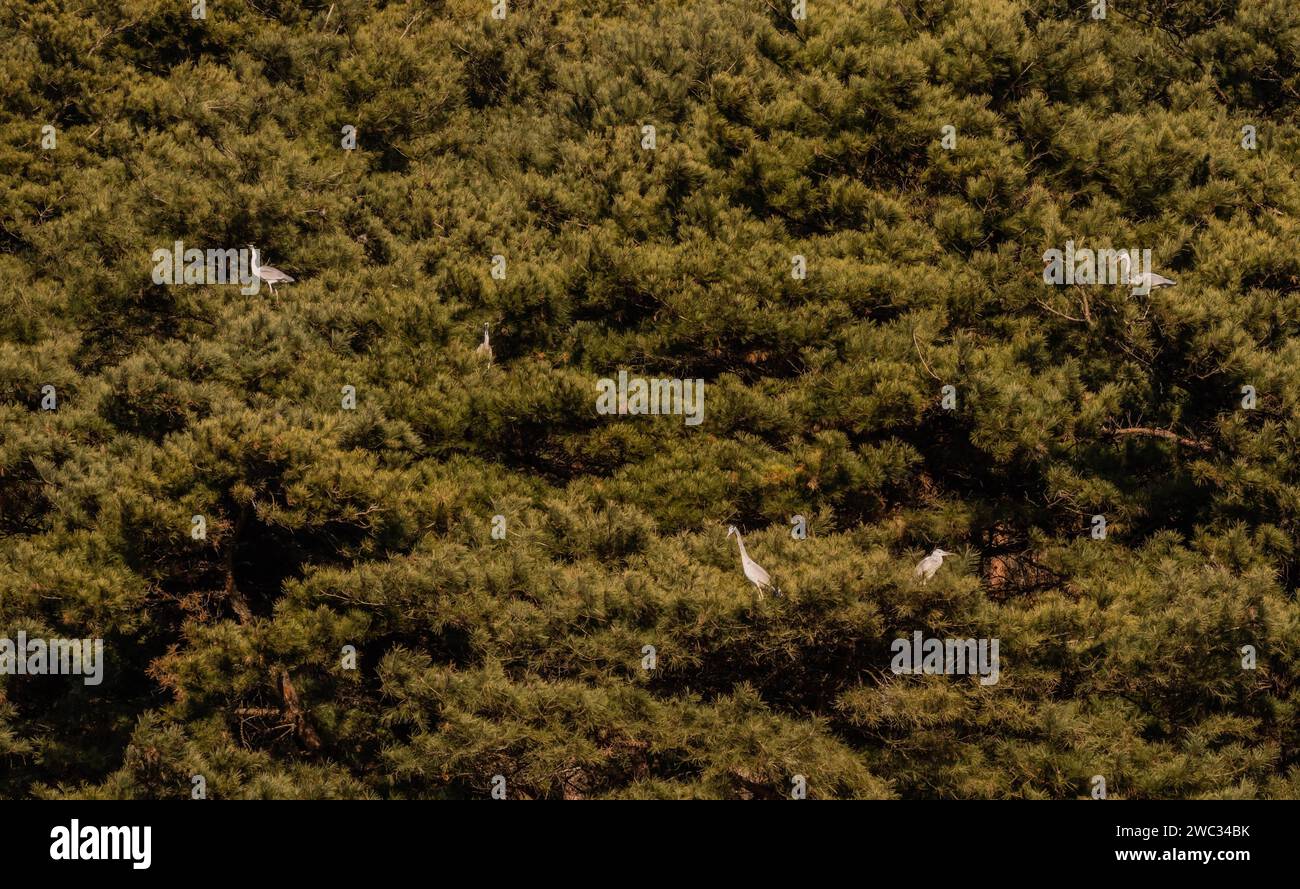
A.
x: 926, y: 568
x: 485, y: 348
x: 1144, y: 281
x: 269, y: 274
x: 757, y: 576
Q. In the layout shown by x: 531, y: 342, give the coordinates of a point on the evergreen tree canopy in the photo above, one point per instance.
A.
x: 836, y: 219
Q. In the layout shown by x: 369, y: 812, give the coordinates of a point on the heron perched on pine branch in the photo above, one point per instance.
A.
x: 754, y: 571
x: 927, y: 567
x: 485, y: 348
x: 269, y: 274
x: 1145, y: 281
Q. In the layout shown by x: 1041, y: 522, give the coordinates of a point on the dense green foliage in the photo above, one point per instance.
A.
x: 522, y: 656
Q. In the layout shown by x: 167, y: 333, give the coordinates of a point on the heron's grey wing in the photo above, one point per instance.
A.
x: 1159, y: 280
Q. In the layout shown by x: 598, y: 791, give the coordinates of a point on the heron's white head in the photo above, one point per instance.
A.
x: 941, y: 553
x: 731, y: 529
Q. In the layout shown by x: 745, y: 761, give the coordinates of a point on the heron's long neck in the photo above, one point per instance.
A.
x: 257, y: 262
x: 741, y: 544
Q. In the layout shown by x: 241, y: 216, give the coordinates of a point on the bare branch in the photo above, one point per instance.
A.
x: 1166, y: 434
x: 921, y: 355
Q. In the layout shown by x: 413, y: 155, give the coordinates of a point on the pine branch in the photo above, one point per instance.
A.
x: 294, y: 710
x: 1166, y: 434
x: 921, y: 355
x: 233, y: 595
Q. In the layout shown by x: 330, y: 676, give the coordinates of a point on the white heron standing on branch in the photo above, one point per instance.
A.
x: 926, y: 568
x: 757, y: 576
x: 269, y: 274
x: 1144, y: 282
x: 485, y: 348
